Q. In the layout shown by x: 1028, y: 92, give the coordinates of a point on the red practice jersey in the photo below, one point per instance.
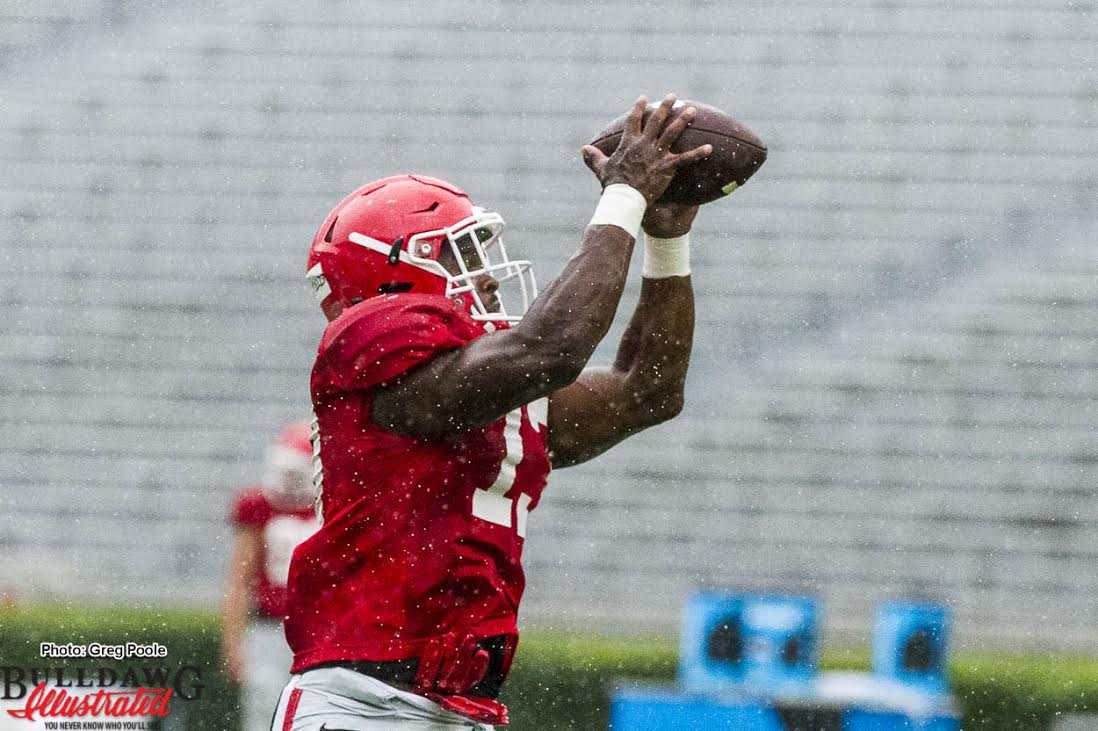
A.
x: 281, y: 530
x: 421, y: 535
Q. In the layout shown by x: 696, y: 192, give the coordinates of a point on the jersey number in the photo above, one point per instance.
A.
x: 491, y: 504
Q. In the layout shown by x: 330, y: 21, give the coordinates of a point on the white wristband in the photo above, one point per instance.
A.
x: 622, y: 206
x: 666, y: 257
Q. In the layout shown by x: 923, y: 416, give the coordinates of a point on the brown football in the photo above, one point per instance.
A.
x: 737, y: 153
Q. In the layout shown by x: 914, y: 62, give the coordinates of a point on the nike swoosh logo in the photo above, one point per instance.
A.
x: 324, y: 727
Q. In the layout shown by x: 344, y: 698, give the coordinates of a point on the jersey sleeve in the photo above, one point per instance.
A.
x: 250, y: 508
x: 382, y: 341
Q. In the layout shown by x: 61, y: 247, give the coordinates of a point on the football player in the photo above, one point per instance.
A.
x: 439, y: 413
x: 270, y: 520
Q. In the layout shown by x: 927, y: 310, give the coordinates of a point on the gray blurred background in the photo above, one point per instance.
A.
x: 896, y: 369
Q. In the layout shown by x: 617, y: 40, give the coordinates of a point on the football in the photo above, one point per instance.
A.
x: 737, y: 153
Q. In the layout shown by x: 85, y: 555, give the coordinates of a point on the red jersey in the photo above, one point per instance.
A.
x: 281, y: 530
x: 421, y: 535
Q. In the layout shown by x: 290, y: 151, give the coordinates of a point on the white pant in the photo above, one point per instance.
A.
x: 267, y: 660
x: 337, y: 699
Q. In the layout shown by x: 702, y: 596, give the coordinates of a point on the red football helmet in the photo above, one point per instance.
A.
x: 289, y: 464
x: 388, y: 236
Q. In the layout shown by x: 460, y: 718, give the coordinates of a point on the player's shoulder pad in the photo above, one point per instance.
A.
x: 250, y: 506
x: 376, y: 340
x: 395, y: 312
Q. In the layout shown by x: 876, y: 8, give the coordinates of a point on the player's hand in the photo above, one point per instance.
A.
x: 451, y: 663
x: 644, y: 159
x: 668, y: 220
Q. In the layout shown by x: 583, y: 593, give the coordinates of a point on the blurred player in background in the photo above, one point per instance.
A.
x: 439, y: 414
x: 270, y: 521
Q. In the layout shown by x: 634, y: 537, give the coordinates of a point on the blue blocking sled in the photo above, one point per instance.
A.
x: 909, y: 644
x: 676, y: 710
x: 763, y: 642
x: 750, y: 662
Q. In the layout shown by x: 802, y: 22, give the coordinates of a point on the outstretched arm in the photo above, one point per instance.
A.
x: 644, y: 386
x: 494, y: 374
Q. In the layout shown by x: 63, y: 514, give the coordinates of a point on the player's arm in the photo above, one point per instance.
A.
x: 494, y: 374
x: 645, y: 385
x: 243, y: 565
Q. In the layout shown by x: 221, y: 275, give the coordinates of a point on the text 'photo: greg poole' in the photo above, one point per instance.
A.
x: 96, y: 649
